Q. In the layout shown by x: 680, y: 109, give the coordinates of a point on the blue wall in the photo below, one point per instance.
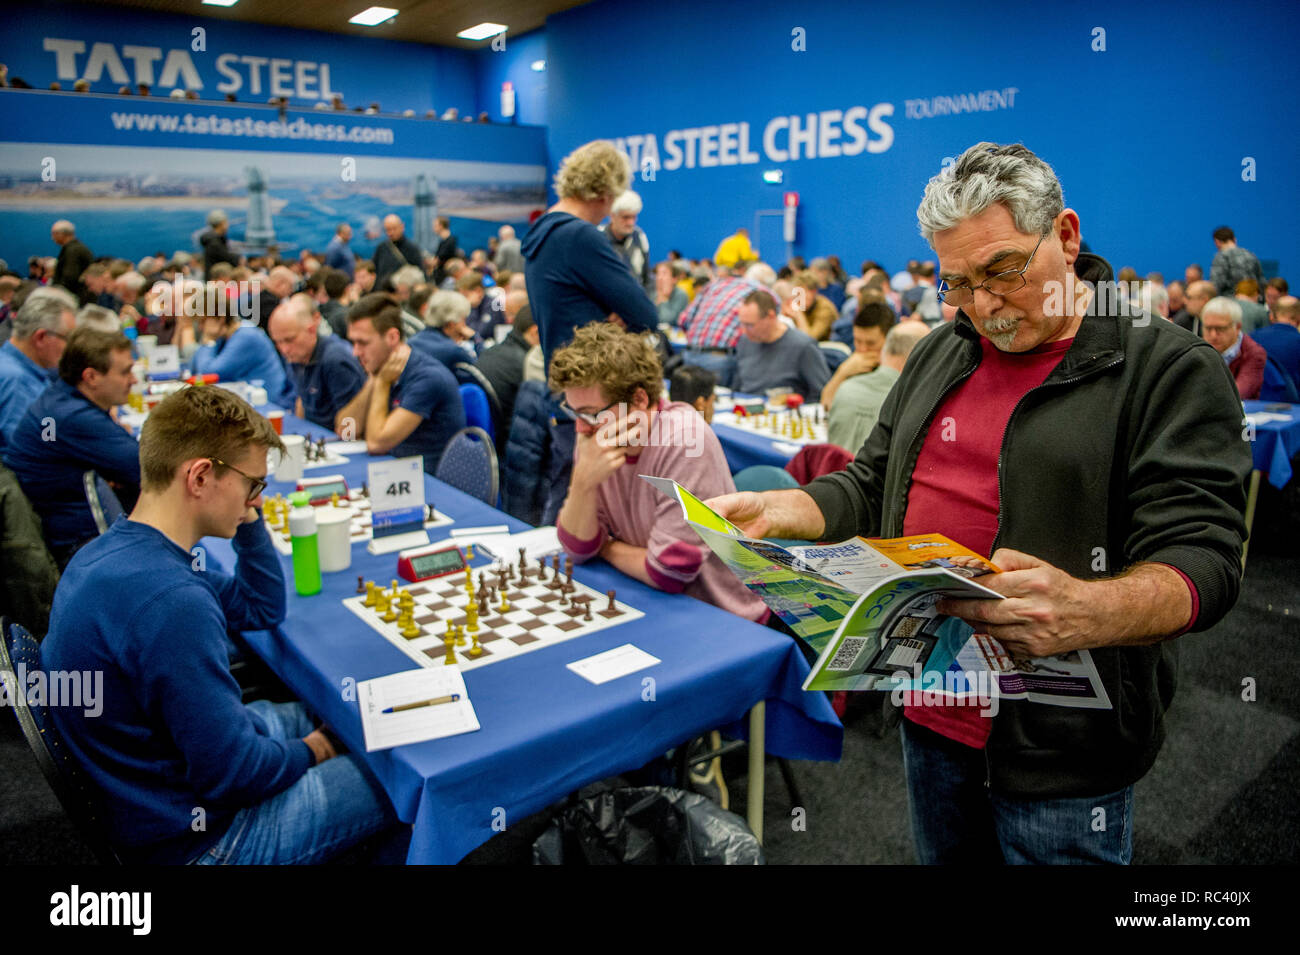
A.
x: 1148, y: 137
x: 514, y: 64
x: 397, y: 75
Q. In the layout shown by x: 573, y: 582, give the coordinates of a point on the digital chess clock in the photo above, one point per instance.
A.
x: 323, y: 489
x: 421, y: 563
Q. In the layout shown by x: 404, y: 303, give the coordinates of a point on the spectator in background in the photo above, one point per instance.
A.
x: 395, y: 252
x: 333, y: 285
x: 670, y: 300
x: 1276, y: 288
x: 695, y: 386
x: 74, y: 258
x: 712, y: 324
x: 99, y: 318
x: 1221, y: 327
x: 1192, y: 273
x: 328, y: 379
x: 812, y: 312
x: 405, y: 281
x: 1176, y: 302
x: 1281, y: 340
x: 922, y: 299
x: 414, y: 405
x: 1254, y: 315
x: 870, y: 327
x: 827, y: 284
x: 94, y: 377
x: 41, y: 327
x: 1232, y: 263
x: 1198, y: 294
x: 363, y: 281
x: 503, y: 363
x: 771, y: 356
x: 214, y: 243
x: 234, y: 351
x: 97, y: 286
x: 628, y: 239
x: 857, y: 404
x: 445, y: 331
x: 735, y: 250
x: 452, y: 270
x: 338, y: 254
x: 508, y: 255
x: 485, y: 310
x: 446, y: 251
x: 8, y: 286
x: 279, y: 284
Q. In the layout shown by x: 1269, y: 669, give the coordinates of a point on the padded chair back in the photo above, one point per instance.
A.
x: 468, y: 374
x: 834, y: 353
x: 763, y: 477
x: 1278, y: 384
x: 469, y: 464
x: 105, y: 508
x: 20, y: 655
x: 814, y: 460
x: 478, y: 413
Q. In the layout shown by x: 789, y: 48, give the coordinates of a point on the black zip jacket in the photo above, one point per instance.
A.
x: 1134, y: 444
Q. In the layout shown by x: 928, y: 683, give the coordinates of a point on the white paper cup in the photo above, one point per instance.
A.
x: 334, y: 537
x: 294, y: 460
x: 145, y: 344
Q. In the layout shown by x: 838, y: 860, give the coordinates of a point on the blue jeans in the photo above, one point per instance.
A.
x: 956, y: 819
x: 334, y: 806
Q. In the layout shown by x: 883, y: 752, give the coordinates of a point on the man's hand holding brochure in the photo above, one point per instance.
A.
x: 869, y: 609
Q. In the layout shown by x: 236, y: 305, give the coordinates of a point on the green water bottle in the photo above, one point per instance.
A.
x: 306, y: 549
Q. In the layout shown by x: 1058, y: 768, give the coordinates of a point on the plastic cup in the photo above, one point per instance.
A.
x: 294, y: 459
x: 277, y: 420
x: 334, y: 531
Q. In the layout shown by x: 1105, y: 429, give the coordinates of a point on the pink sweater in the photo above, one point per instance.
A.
x: 683, y: 447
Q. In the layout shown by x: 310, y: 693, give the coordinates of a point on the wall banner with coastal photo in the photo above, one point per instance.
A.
x: 139, y: 176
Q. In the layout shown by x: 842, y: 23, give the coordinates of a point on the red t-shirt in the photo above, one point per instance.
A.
x: 954, y: 486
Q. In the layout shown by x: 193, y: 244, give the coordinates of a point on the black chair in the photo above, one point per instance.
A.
x: 20, y: 649
x: 470, y: 464
x: 834, y: 353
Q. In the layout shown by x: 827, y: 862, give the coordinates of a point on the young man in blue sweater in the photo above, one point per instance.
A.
x: 68, y: 431
x: 182, y: 770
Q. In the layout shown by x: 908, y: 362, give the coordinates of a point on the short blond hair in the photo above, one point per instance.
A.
x: 199, y: 422
x: 618, y: 362
x: 596, y: 170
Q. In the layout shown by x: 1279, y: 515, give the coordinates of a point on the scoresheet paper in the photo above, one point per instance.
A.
x: 386, y: 730
x: 612, y: 664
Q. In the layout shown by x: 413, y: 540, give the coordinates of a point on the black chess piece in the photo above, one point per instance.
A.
x: 361, y: 584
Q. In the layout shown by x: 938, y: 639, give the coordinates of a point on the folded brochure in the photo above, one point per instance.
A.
x: 867, y: 608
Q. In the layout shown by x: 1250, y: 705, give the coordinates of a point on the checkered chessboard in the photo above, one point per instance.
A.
x: 537, y: 617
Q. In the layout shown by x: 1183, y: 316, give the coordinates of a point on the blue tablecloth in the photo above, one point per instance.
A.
x: 1276, y: 442
x: 545, y: 731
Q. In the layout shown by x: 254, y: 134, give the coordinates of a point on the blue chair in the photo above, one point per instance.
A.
x: 105, y: 508
x: 1278, y: 384
x: 19, y: 652
x: 478, y: 413
x: 834, y: 353
x: 470, y: 374
x: 763, y: 477
x: 469, y: 464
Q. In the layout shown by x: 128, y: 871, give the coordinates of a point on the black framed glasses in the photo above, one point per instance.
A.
x: 256, y: 485
x: 585, y: 416
x: 999, y: 283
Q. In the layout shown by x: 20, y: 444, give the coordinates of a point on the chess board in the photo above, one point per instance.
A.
x: 775, y: 424
x: 535, y: 619
x: 331, y: 459
x: 361, y: 528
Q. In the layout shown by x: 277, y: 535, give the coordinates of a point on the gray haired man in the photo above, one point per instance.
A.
x: 1047, y: 429
x: 27, y: 361
x: 213, y: 242
x: 627, y: 238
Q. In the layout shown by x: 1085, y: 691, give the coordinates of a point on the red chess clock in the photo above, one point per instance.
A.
x: 422, y: 563
x: 323, y: 489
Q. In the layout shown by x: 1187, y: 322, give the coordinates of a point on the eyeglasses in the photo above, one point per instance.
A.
x: 256, y: 485
x: 585, y: 416
x: 1000, y: 283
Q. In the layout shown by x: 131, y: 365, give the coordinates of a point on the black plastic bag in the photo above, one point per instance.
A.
x: 649, y: 825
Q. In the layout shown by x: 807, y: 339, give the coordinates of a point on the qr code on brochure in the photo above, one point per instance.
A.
x: 847, y: 653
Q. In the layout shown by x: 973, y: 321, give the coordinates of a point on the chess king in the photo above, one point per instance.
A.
x: 140, y: 605
x: 612, y: 384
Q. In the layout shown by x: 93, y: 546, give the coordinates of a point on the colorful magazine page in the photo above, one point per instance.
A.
x: 694, y: 510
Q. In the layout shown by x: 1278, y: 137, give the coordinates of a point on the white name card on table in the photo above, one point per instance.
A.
x: 164, y: 361
x: 612, y: 664
x: 397, y: 505
x: 415, y: 706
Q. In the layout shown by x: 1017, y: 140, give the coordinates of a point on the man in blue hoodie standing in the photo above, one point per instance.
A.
x: 575, y: 277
